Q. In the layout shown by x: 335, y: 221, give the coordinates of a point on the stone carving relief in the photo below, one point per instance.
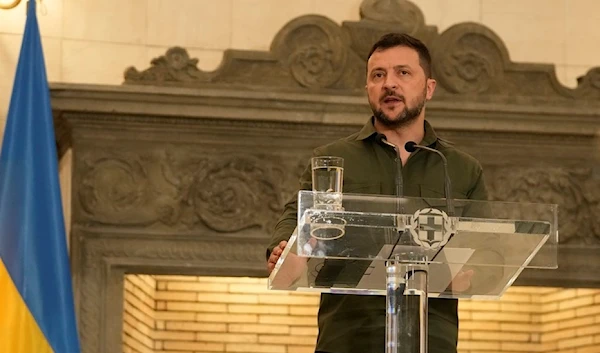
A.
x: 576, y: 191
x: 468, y: 59
x: 182, y: 187
x: 117, y: 188
x: 313, y: 49
x: 228, y: 193
x: 313, y: 53
x: 89, y: 315
x: 175, y: 66
x: 589, y: 85
x: 408, y: 15
x: 383, y: 16
x: 180, y: 250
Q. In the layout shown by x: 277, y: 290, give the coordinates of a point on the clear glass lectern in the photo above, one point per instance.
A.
x: 409, y: 249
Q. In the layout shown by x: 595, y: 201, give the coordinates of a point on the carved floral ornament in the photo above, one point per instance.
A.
x: 175, y: 66
x: 224, y: 193
x: 313, y: 52
x: 591, y: 80
x: 468, y: 59
x: 577, y: 192
x: 229, y: 193
x: 313, y: 49
x: 312, y: 65
x: 404, y: 14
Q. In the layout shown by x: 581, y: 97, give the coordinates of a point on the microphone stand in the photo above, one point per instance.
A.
x: 410, y: 146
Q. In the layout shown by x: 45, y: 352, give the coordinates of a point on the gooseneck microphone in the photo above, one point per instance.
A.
x: 411, y: 146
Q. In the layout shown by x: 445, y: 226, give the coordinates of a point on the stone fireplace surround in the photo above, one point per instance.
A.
x: 180, y: 171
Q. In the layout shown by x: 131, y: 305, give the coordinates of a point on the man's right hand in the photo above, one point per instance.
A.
x: 275, y: 254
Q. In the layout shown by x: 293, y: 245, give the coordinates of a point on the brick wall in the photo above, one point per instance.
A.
x: 210, y: 314
x: 571, y: 321
x: 548, y: 320
x: 207, y: 314
x: 511, y: 324
x: 138, y: 314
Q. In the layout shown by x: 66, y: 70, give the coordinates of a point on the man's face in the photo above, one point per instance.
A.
x: 397, y: 86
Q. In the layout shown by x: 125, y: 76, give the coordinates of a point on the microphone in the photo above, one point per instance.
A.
x: 411, y: 146
x: 380, y: 138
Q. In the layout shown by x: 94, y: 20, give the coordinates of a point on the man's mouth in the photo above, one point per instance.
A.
x: 392, y: 99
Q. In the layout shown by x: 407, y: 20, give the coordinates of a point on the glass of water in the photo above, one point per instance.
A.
x: 327, y: 177
x: 327, y: 180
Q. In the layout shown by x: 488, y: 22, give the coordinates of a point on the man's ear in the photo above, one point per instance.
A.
x: 431, y: 85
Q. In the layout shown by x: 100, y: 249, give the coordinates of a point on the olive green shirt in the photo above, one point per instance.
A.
x: 356, y: 323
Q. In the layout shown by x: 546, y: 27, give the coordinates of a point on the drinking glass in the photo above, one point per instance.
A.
x: 327, y: 181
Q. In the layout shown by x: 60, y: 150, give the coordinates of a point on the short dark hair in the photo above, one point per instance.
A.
x: 392, y: 40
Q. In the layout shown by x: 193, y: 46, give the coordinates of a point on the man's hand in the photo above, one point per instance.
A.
x: 275, y: 254
x: 462, y: 281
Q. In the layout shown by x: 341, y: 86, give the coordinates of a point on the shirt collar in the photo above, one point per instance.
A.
x: 368, y: 130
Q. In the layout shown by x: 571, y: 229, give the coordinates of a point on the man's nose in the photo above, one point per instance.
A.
x: 390, y: 82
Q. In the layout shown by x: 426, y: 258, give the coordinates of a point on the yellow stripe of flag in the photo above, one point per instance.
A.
x: 19, y: 333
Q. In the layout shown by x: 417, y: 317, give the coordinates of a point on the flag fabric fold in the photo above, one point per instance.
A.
x: 36, y: 297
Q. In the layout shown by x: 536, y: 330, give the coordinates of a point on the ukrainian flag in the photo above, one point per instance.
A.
x: 36, y: 296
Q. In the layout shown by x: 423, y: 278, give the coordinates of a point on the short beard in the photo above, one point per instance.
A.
x: 404, y: 118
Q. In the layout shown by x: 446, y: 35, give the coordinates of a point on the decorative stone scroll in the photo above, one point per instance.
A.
x: 313, y: 53
x: 179, y: 188
x: 577, y: 192
x: 183, y: 189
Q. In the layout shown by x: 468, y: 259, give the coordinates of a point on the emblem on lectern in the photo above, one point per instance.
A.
x: 430, y: 228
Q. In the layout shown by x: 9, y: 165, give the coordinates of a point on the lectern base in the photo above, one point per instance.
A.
x: 406, y: 307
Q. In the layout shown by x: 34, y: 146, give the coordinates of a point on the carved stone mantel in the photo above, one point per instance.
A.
x: 181, y: 171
